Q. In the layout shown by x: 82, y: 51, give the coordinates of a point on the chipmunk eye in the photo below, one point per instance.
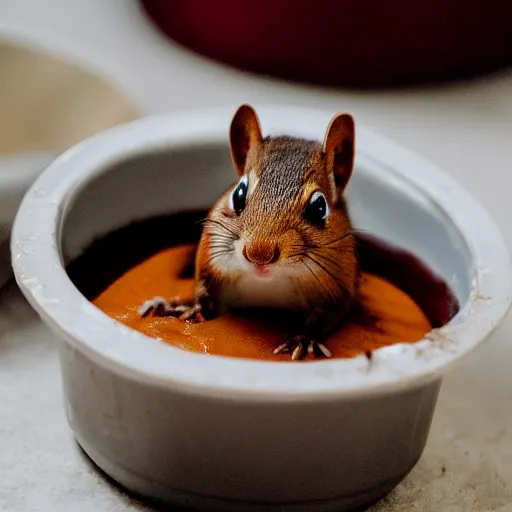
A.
x: 317, y: 209
x: 239, y: 196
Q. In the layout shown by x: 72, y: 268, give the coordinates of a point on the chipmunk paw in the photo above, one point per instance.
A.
x: 188, y: 311
x: 299, y: 346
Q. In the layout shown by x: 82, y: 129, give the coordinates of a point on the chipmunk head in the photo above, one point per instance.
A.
x: 285, y: 218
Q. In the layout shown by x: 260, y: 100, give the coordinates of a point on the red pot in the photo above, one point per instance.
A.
x: 344, y: 42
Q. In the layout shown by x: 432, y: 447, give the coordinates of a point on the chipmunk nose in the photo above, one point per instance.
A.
x: 261, y: 254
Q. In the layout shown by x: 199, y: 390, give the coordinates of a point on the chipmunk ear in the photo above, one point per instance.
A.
x: 339, y: 149
x: 244, y: 133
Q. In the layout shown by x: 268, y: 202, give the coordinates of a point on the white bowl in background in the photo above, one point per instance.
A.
x: 218, y: 433
x: 47, y: 104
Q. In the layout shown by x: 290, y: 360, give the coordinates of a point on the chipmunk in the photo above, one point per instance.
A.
x: 280, y: 238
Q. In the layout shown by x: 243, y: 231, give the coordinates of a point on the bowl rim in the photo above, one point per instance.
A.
x: 39, y: 271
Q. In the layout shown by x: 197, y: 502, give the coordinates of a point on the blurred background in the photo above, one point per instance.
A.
x: 435, y: 76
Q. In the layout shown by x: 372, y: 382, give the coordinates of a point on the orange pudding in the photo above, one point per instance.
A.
x: 390, y: 315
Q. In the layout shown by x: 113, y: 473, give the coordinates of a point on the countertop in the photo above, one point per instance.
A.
x: 466, y: 129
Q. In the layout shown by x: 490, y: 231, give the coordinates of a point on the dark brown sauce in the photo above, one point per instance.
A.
x: 109, y: 257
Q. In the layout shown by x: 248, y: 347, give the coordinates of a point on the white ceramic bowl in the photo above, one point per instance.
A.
x: 47, y: 104
x: 230, y: 434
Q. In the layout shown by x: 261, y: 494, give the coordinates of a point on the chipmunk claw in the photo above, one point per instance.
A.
x: 158, y: 306
x: 175, y: 307
x: 192, y: 314
x: 299, y: 346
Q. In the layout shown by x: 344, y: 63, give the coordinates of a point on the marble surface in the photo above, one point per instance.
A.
x: 464, y: 128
